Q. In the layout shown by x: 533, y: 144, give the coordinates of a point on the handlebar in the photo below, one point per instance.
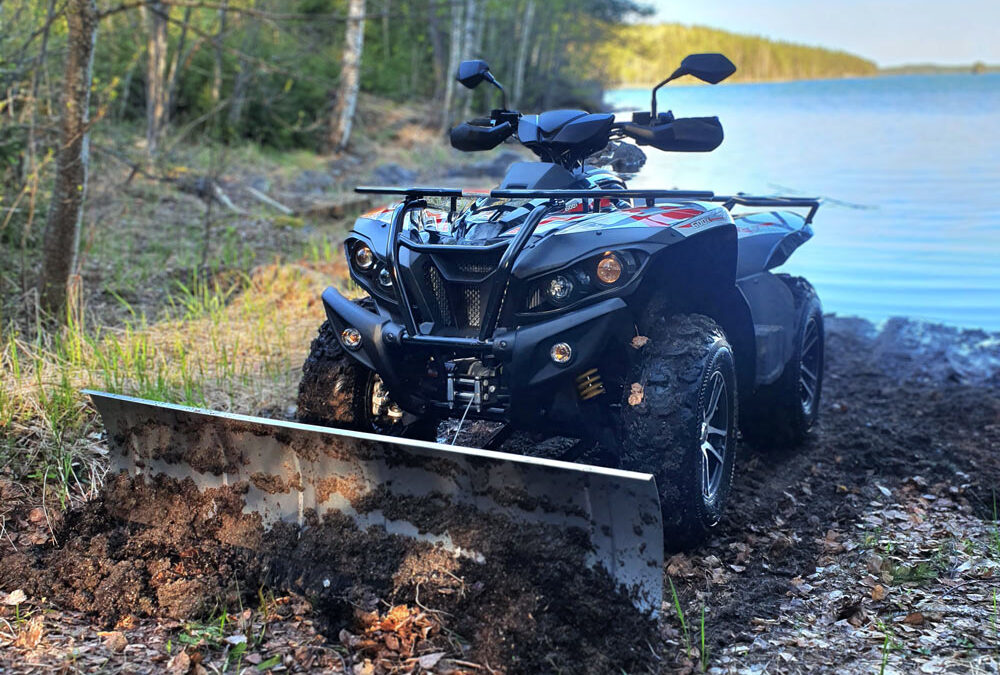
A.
x: 470, y: 138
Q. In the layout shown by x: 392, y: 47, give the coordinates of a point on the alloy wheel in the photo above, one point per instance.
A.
x: 809, y: 366
x: 715, y: 420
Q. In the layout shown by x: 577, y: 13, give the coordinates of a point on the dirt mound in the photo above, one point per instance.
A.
x: 531, y: 606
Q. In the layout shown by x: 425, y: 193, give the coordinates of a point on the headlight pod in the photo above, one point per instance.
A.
x: 609, y: 270
x: 363, y: 257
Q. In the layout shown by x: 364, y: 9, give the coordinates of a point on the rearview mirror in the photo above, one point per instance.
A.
x: 711, y: 68
x: 471, y: 73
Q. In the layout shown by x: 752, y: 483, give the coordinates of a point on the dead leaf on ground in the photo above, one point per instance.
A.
x: 31, y: 634
x: 17, y: 597
x: 639, y: 341
x: 114, y: 640
x: 179, y: 664
x: 635, y: 397
x: 428, y: 661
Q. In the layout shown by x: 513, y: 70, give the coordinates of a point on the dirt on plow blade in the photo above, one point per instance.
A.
x: 267, y: 476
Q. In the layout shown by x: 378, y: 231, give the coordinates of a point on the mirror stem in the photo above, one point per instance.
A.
x: 652, y: 107
x: 503, y: 94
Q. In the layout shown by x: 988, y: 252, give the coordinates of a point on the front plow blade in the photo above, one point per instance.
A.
x: 446, y: 496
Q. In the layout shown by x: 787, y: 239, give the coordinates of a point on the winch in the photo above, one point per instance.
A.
x: 471, y: 383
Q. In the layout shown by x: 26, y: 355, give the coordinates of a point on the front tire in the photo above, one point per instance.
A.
x: 337, y: 391
x: 683, y: 430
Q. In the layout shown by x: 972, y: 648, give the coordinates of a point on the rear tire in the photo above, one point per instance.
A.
x: 782, y: 413
x: 336, y: 391
x: 684, y: 428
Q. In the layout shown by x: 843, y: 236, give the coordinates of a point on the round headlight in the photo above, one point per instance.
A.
x: 609, y: 269
x: 364, y: 258
x: 561, y: 353
x: 351, y: 337
x: 559, y: 288
x: 384, y: 277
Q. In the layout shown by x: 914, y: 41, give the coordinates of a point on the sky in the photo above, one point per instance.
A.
x: 890, y: 32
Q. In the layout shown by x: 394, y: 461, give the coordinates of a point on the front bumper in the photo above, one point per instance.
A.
x: 524, y: 351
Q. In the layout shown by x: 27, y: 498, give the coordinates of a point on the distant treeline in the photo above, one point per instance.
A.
x: 977, y: 68
x: 646, y: 53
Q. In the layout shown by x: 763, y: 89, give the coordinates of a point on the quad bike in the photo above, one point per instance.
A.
x: 646, y: 321
x: 648, y: 324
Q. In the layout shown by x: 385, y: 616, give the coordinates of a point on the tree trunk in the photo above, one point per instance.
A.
x: 469, y: 48
x: 243, y: 75
x: 454, y: 56
x: 216, y: 91
x: 437, y: 49
x: 156, y: 66
x: 62, y: 231
x: 522, y: 51
x: 175, y: 64
x: 350, y: 76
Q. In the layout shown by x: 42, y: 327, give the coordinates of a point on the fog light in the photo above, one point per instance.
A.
x: 609, y: 269
x: 351, y: 337
x: 559, y: 288
x: 561, y: 353
x: 364, y: 258
x: 384, y: 277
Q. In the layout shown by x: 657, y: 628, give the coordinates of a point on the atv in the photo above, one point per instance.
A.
x: 649, y: 324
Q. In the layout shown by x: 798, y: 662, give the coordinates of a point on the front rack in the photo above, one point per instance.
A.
x: 414, y: 199
x: 593, y: 196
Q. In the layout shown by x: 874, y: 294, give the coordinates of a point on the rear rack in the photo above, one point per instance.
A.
x: 588, y: 196
x: 414, y: 199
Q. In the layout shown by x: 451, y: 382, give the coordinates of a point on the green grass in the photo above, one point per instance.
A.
x: 233, y: 341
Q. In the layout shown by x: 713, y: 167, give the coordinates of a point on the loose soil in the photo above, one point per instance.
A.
x: 908, y: 439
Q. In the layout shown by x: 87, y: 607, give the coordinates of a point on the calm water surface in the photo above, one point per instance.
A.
x: 909, y: 167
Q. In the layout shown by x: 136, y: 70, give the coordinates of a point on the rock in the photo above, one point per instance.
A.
x: 621, y: 157
x: 259, y: 183
x: 393, y: 175
x: 312, y: 181
x: 495, y: 167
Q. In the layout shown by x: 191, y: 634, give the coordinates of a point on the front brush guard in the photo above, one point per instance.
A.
x: 384, y: 343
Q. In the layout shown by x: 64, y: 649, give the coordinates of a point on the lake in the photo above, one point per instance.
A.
x: 909, y: 167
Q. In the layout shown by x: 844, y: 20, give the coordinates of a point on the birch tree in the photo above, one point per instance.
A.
x: 156, y: 66
x: 350, y: 76
x: 62, y: 231
x: 454, y: 56
x: 522, y: 51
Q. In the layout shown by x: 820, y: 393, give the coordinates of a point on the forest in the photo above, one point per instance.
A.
x: 638, y: 54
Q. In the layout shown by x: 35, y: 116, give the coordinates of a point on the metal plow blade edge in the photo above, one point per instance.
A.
x: 444, y: 495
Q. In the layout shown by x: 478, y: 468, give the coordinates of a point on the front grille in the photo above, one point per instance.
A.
x: 453, y: 304
x: 443, y: 307
x: 473, y: 310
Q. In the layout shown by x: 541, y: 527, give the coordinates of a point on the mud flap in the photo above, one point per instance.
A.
x: 443, y: 495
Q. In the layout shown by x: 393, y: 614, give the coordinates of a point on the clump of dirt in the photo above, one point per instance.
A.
x: 531, y: 605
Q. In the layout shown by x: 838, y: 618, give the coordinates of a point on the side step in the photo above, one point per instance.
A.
x: 447, y: 496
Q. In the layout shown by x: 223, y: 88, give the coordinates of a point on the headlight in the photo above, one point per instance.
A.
x: 609, y: 269
x: 385, y: 277
x: 559, y: 288
x: 364, y: 258
x: 595, y: 275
